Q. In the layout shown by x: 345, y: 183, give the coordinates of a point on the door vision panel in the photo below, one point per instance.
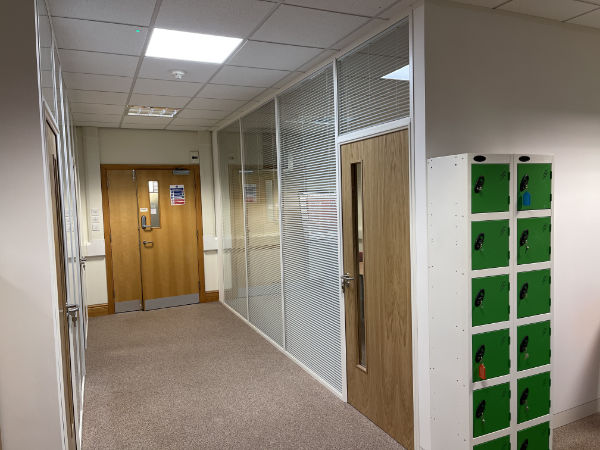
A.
x: 376, y: 239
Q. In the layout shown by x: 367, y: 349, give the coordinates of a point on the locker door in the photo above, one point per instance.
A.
x: 533, y: 397
x: 489, y: 301
x: 533, y: 240
x: 492, y: 350
x: 534, y: 186
x: 534, y: 345
x: 490, y: 188
x: 534, y: 438
x: 497, y: 444
x: 533, y: 293
x: 491, y: 409
x: 489, y: 244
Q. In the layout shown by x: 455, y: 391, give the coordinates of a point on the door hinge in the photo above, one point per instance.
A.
x: 114, y: 295
x: 133, y: 174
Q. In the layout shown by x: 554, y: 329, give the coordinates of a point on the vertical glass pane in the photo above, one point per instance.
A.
x: 357, y: 194
x: 154, y: 210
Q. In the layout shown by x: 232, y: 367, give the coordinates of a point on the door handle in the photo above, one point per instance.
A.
x: 72, y: 311
x: 346, y: 279
x: 82, y: 261
x: 150, y: 243
x: 145, y: 227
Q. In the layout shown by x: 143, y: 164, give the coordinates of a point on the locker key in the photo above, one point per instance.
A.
x: 479, y: 241
x: 525, y: 444
x: 523, y: 292
x: 523, y: 399
x: 479, y: 298
x: 524, y: 183
x: 479, y: 359
x: 479, y: 184
x: 523, y: 346
x: 482, y: 371
x: 524, y: 238
x: 480, y: 410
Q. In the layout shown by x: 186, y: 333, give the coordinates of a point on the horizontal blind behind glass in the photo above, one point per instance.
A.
x: 365, y: 97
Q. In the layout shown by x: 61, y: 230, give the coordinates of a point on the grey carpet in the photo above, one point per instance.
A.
x: 581, y: 435
x: 197, y: 377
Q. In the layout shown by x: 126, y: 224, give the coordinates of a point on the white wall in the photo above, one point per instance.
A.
x: 501, y: 83
x: 134, y: 146
x: 30, y: 393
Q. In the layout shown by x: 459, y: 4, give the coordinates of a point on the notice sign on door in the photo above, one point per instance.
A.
x: 177, y: 194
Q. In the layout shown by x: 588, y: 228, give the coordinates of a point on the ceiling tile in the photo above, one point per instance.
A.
x: 197, y: 114
x: 79, y: 34
x: 160, y: 69
x: 97, y: 108
x: 591, y: 19
x: 219, y: 104
x: 549, y: 9
x: 89, y: 117
x: 99, y: 63
x: 359, y: 34
x: 158, y: 100
x: 402, y: 8
x: 320, y: 58
x: 194, y: 122
x: 229, y: 92
x: 273, y: 56
x: 234, y: 18
x: 187, y: 128
x: 81, y: 123
x: 137, y: 12
x: 108, y: 98
x: 163, y: 87
x: 302, y: 26
x: 92, y: 82
x: 145, y: 122
x: 484, y: 3
x: 362, y: 7
x: 247, y: 76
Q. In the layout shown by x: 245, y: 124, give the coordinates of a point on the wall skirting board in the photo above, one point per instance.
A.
x: 100, y: 309
x: 577, y: 413
x: 210, y: 296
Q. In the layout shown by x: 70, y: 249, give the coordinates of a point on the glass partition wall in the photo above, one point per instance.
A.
x: 279, y: 197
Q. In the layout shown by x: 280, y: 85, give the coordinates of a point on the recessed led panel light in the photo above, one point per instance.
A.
x: 151, y: 111
x: 402, y: 74
x: 173, y: 44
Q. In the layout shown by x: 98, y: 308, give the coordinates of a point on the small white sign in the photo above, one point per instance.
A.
x: 95, y: 219
x: 177, y: 193
x: 95, y: 212
x: 95, y: 227
x: 143, y: 209
x: 152, y: 211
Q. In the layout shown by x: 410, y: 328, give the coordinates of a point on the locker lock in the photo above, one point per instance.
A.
x: 524, y: 183
x: 479, y: 354
x: 523, y: 292
x: 524, y: 395
x: 480, y: 410
x: 525, y: 444
x: 524, y: 238
x: 479, y: 298
x: 479, y: 241
x: 524, y: 344
x: 479, y: 184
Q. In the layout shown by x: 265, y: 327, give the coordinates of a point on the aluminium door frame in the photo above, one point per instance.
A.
x: 204, y: 295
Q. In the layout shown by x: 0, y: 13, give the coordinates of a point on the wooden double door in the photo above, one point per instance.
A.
x: 153, y: 230
x: 376, y: 282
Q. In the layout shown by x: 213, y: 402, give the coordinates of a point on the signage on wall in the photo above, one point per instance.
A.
x: 177, y: 193
x: 250, y: 193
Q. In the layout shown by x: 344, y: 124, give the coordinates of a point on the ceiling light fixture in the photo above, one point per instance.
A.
x: 173, y: 44
x: 151, y: 111
x: 178, y: 74
x: 402, y: 74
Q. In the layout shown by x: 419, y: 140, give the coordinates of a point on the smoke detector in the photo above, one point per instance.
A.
x: 178, y: 74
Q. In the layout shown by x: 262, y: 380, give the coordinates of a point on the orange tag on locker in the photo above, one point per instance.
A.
x: 482, y: 371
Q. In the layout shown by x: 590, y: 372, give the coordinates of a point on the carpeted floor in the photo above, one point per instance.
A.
x: 196, y: 377
x: 581, y: 435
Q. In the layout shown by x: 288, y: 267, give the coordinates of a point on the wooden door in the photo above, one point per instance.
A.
x: 126, y: 273
x: 169, y: 241
x: 61, y: 281
x: 376, y: 240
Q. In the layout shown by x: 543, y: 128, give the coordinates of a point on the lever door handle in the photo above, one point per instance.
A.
x: 148, y: 243
x: 346, y: 279
x: 72, y: 311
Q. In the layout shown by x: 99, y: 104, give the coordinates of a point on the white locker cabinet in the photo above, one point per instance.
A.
x: 490, y: 290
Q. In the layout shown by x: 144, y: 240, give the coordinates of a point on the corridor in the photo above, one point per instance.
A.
x: 198, y: 377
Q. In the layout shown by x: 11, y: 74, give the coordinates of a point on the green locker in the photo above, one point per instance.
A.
x: 491, y: 409
x: 533, y: 293
x: 533, y: 342
x: 502, y: 443
x: 490, y: 184
x: 533, y: 240
x: 534, y: 438
x: 534, y: 186
x: 492, y: 349
x: 490, y: 300
x: 489, y: 244
x: 533, y: 397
